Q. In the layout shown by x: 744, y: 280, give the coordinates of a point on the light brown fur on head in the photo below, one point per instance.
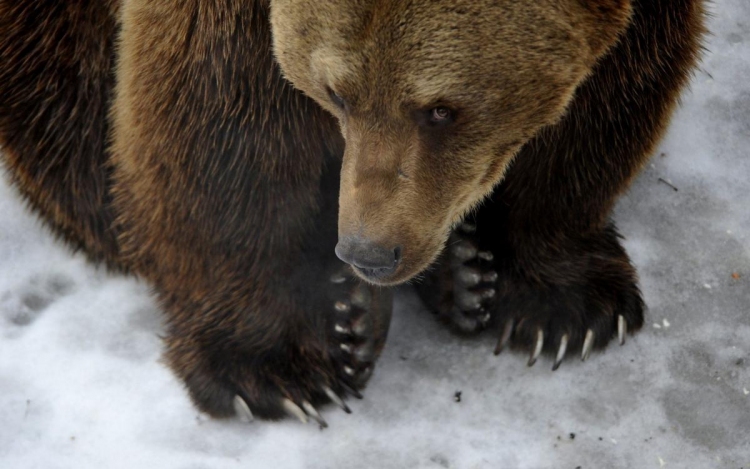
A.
x: 505, y: 68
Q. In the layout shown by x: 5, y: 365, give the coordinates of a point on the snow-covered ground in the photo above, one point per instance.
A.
x: 81, y: 384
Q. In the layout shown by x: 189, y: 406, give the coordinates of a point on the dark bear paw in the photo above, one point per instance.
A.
x: 588, y: 300
x: 293, y: 378
x: 358, y: 336
x: 462, y: 289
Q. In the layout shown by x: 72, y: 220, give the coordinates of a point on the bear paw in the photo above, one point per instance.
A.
x: 294, y: 378
x: 462, y: 289
x: 581, y: 303
x: 354, y: 347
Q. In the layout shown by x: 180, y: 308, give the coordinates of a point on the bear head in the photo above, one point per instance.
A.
x: 434, y: 99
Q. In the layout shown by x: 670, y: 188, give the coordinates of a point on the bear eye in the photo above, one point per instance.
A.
x: 441, y: 115
x: 336, y: 98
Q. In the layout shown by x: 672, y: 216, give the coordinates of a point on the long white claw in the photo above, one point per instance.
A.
x: 336, y: 399
x: 588, y: 341
x: 561, y: 352
x: 505, y: 337
x: 314, y: 414
x: 622, y: 329
x: 537, y: 347
x: 242, y: 410
x: 293, y: 409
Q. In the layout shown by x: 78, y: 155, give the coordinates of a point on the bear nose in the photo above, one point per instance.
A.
x: 372, y: 259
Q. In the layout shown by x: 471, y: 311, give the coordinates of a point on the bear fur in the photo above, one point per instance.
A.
x: 162, y: 139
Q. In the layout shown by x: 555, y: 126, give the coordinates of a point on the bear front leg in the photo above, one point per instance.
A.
x: 226, y: 189
x: 568, y: 300
x: 564, y: 280
x: 320, y: 351
x: 573, y: 298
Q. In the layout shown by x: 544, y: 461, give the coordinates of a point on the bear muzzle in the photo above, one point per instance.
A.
x: 371, y: 260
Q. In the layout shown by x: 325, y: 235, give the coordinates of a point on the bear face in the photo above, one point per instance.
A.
x: 434, y: 110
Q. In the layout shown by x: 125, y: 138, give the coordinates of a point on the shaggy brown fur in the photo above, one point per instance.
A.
x: 224, y: 180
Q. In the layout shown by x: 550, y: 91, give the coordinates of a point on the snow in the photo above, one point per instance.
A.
x: 82, y: 385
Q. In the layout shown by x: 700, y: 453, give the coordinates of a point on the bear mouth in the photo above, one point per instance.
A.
x: 378, y: 275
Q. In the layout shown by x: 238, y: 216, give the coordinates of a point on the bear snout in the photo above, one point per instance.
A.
x: 372, y: 260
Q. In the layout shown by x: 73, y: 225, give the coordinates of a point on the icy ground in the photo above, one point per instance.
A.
x: 81, y: 384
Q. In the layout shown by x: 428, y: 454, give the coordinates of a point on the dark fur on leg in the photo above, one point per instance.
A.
x: 226, y: 186
x: 56, y: 77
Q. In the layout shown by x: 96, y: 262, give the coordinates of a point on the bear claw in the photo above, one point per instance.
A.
x: 504, y: 337
x: 537, y: 348
x: 294, y: 410
x: 342, y: 307
x: 588, y: 342
x: 486, y: 256
x: 242, y: 410
x: 336, y: 399
x: 313, y: 413
x: 561, y: 352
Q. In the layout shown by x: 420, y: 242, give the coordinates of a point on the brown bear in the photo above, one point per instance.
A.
x: 162, y: 139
